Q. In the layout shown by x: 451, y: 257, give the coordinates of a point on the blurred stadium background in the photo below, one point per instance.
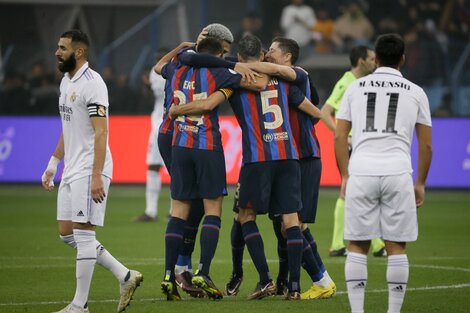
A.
x: 126, y: 33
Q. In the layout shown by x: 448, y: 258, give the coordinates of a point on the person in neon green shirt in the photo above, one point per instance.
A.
x: 362, y: 63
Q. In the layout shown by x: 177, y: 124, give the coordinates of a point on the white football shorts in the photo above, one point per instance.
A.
x: 153, y: 154
x: 75, y: 203
x: 380, y: 206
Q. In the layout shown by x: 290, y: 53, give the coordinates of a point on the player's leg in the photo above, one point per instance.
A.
x: 362, y: 223
x: 283, y: 273
x: 399, y: 226
x: 337, y: 247
x: 212, y: 187
x: 355, y: 272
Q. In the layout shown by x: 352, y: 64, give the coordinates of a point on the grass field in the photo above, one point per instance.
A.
x: 38, y: 271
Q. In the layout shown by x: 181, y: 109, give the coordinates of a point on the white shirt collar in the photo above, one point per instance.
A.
x: 387, y: 70
x: 79, y: 73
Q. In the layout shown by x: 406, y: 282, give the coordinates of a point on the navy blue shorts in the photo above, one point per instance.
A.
x: 164, y: 146
x: 310, y: 173
x: 270, y: 187
x: 197, y: 173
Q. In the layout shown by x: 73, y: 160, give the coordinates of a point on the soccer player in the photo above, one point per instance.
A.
x: 183, y: 269
x: 198, y: 164
x: 154, y: 159
x: 270, y: 160
x: 82, y: 196
x: 362, y: 61
x: 382, y: 109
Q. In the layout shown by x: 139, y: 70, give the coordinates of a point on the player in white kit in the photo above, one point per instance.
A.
x: 88, y: 165
x: 154, y: 159
x: 383, y: 110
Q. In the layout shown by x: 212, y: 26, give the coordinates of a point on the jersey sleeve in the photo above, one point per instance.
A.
x: 424, y: 113
x: 169, y: 69
x: 344, y: 112
x: 227, y: 78
x: 301, y: 76
x: 337, y: 95
x: 96, y: 98
x: 296, y: 96
x: 191, y: 58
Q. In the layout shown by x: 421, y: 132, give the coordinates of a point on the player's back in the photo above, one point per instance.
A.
x: 384, y: 108
x: 264, y: 119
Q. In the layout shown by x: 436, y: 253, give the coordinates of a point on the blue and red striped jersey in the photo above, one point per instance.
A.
x: 264, y: 119
x: 188, y: 84
x: 303, y: 127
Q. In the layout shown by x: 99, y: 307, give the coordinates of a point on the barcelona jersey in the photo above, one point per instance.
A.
x: 187, y: 84
x: 264, y: 119
x: 302, y: 125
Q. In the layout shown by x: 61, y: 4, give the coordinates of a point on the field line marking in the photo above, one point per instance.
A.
x: 425, y: 288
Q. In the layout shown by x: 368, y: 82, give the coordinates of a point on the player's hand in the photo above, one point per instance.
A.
x: 342, y: 192
x: 247, y: 73
x: 171, y: 112
x: 202, y: 35
x: 97, y: 188
x: 419, y: 195
x: 47, y: 180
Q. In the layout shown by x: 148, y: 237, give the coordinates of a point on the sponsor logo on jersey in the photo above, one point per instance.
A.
x: 276, y: 137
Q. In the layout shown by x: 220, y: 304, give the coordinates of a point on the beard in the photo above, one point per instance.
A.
x: 68, y: 64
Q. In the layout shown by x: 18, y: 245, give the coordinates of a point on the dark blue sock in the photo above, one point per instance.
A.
x: 173, y: 241
x: 294, y: 252
x: 238, y: 246
x: 309, y: 263
x: 308, y: 235
x: 255, y: 246
x: 209, y: 238
x: 281, y: 250
x: 190, y: 232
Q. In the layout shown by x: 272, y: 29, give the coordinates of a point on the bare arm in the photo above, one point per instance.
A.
x: 343, y: 128
x: 100, y: 126
x: 258, y: 85
x: 327, y: 116
x: 198, y: 106
x: 47, y: 178
x: 424, y: 136
x: 170, y: 55
x: 282, y: 71
x: 308, y: 107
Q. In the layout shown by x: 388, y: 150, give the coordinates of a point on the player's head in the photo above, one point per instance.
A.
x: 72, y: 47
x: 362, y: 58
x: 283, y: 51
x: 390, y: 50
x: 221, y: 32
x: 211, y: 45
x: 249, y: 49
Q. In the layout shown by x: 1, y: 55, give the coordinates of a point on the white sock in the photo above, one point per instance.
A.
x: 355, y: 271
x: 106, y: 260
x: 322, y: 282
x: 397, y: 278
x: 69, y: 240
x: 180, y: 269
x: 152, y: 192
x: 86, y: 259
x: 327, y: 277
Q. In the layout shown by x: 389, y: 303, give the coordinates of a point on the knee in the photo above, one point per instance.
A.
x: 246, y: 215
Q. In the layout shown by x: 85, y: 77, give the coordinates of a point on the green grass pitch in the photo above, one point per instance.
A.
x: 38, y: 271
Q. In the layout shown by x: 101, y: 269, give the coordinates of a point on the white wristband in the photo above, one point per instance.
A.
x: 52, y: 165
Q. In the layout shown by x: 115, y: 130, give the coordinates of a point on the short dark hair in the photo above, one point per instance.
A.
x: 389, y: 50
x: 77, y: 36
x: 249, y: 47
x: 288, y: 45
x: 210, y: 45
x: 357, y: 53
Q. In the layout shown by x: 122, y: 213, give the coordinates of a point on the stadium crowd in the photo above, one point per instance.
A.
x: 435, y: 33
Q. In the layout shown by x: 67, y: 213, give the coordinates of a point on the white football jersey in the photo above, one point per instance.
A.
x: 76, y: 94
x: 157, y: 82
x: 383, y: 108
